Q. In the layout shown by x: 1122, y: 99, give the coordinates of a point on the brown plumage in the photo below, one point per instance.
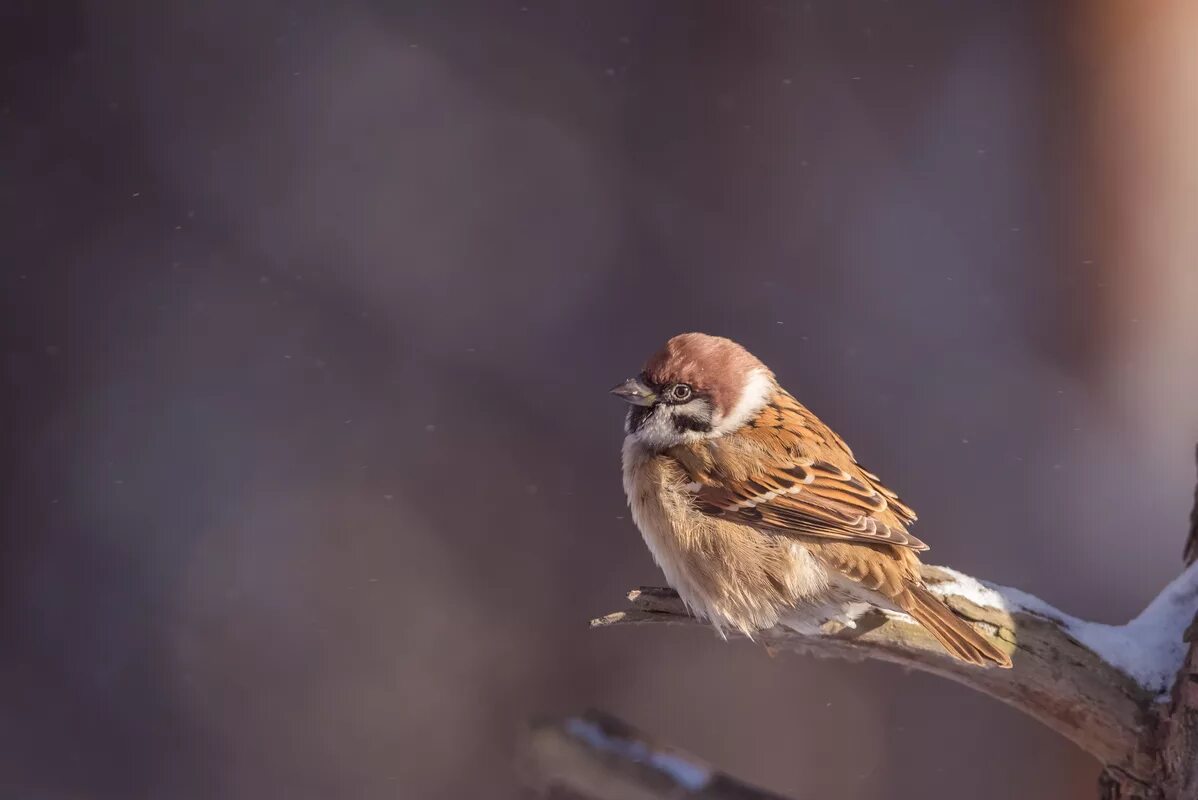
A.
x: 759, y: 513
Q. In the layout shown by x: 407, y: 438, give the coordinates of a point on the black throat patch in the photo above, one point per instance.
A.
x: 637, y: 416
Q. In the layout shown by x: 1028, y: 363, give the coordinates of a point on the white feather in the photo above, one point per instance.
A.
x: 756, y: 394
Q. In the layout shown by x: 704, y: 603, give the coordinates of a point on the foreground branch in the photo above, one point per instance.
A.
x: 600, y: 757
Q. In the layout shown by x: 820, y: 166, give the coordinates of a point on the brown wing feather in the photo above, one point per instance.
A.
x: 950, y: 630
x: 893, y: 572
x: 787, y: 472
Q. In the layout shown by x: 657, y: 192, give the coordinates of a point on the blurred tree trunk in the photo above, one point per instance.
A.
x: 1139, y: 66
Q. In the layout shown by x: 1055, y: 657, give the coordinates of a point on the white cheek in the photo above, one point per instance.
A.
x: 698, y: 408
x: 757, y: 392
x: 658, y: 432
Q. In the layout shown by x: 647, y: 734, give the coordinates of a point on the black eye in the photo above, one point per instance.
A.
x: 680, y: 393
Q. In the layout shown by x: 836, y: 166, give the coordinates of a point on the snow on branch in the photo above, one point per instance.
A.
x: 598, y: 756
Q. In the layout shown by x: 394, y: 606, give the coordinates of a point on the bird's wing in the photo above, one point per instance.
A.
x: 787, y: 472
x: 895, y: 575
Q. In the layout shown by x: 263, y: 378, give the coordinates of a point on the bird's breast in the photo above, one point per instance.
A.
x: 729, y: 573
x: 661, y: 510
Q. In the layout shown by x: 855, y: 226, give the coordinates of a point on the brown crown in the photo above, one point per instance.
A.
x: 712, y: 365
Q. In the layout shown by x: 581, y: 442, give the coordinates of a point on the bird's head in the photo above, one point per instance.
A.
x: 696, y: 387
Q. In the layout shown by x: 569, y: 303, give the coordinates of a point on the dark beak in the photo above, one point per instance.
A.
x: 635, y: 392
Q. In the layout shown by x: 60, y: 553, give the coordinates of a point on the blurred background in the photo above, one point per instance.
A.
x: 309, y: 312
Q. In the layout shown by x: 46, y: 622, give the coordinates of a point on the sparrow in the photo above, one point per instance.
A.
x: 757, y: 512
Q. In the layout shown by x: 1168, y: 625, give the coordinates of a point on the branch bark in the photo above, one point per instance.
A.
x: 1057, y: 678
x: 1098, y: 685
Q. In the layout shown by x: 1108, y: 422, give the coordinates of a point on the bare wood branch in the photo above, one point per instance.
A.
x: 598, y: 756
x: 1126, y: 694
x: 1057, y: 678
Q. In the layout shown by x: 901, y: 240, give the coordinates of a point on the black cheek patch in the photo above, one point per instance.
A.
x: 683, y: 423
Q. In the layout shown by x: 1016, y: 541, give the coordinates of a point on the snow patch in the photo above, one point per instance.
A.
x: 1149, y: 648
x: 684, y: 772
x: 1003, y: 598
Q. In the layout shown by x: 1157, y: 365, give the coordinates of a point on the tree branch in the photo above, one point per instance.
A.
x: 1127, y: 694
x: 1096, y: 684
x: 600, y: 757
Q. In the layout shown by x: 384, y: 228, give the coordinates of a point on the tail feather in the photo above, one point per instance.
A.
x: 950, y: 630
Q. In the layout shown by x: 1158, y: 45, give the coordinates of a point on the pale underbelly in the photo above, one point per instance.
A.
x: 786, y: 584
x: 737, y: 577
